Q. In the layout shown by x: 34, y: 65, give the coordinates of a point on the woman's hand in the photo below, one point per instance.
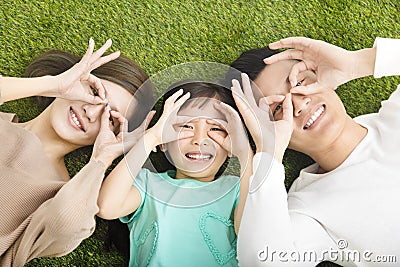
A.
x: 164, y: 131
x: 269, y: 136
x: 333, y: 65
x: 236, y: 141
x: 109, y: 146
x: 72, y: 84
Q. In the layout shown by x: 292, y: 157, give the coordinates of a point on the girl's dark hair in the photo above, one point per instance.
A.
x: 204, y: 90
x: 197, y: 89
x: 251, y: 61
x: 122, y: 71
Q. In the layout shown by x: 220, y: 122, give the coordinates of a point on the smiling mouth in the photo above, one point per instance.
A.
x: 199, y: 156
x: 75, y: 119
x: 314, y: 117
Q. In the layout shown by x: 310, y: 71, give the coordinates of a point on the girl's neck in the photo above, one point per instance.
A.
x: 333, y: 155
x: 181, y: 175
x: 54, y: 147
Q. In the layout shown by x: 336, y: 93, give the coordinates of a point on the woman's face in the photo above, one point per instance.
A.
x: 318, y: 118
x: 78, y: 122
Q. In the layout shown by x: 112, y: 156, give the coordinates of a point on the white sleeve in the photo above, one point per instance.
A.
x: 387, y: 61
x: 267, y: 226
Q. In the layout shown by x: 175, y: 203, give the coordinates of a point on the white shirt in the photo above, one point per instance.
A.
x: 349, y: 215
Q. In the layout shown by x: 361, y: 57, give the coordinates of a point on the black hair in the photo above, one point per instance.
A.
x: 251, y: 61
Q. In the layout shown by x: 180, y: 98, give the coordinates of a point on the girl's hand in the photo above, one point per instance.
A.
x: 109, y: 146
x: 269, y: 136
x: 333, y: 65
x: 72, y: 84
x: 236, y: 141
x: 164, y: 131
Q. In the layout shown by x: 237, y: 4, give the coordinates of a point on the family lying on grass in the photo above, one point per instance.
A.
x: 194, y: 214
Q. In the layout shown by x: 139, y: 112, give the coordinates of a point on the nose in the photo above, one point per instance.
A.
x: 300, y: 102
x: 200, y: 137
x: 93, y: 112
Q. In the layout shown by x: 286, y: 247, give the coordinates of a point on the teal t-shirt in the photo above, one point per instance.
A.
x: 183, y: 222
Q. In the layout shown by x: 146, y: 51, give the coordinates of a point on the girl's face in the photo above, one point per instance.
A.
x: 198, y: 157
x: 78, y: 122
x: 318, y: 118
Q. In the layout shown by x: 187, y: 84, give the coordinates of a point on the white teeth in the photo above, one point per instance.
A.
x: 75, y: 119
x: 314, y: 117
x: 199, y: 157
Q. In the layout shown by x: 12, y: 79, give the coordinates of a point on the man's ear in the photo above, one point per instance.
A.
x: 163, y: 148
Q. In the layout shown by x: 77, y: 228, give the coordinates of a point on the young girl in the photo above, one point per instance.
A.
x: 187, y: 216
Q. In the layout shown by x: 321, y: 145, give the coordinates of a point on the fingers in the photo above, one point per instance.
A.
x: 240, y: 99
x: 230, y: 113
x: 105, y: 118
x: 181, y: 100
x: 123, y: 122
x: 269, y: 100
x: 247, y: 90
x: 86, y: 58
x: 219, y: 139
x: 183, y: 135
x: 224, y: 142
x: 288, y: 54
x: 169, y: 103
x: 96, y: 83
x: 221, y: 123
x: 307, y: 89
x: 288, y: 109
x: 91, y: 61
x: 299, y: 43
x: 103, y: 60
x: 297, y: 69
x: 96, y: 55
x: 148, y: 119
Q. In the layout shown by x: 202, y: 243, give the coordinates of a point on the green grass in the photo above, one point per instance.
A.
x: 160, y: 34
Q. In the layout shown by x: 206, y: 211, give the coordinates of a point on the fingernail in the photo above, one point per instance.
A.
x: 109, y: 40
x: 91, y: 40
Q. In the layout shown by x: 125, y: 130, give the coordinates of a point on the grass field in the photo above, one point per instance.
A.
x: 160, y: 34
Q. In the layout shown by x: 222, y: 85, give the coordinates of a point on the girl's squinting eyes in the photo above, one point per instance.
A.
x: 186, y: 126
x: 217, y: 129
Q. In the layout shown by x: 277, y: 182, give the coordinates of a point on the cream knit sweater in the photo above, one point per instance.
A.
x: 41, y: 215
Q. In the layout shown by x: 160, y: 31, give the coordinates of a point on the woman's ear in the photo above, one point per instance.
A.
x: 163, y: 148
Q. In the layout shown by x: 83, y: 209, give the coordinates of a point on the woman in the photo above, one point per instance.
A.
x: 343, y: 207
x: 43, y: 211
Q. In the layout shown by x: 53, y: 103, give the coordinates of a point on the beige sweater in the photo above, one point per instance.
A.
x: 40, y: 215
